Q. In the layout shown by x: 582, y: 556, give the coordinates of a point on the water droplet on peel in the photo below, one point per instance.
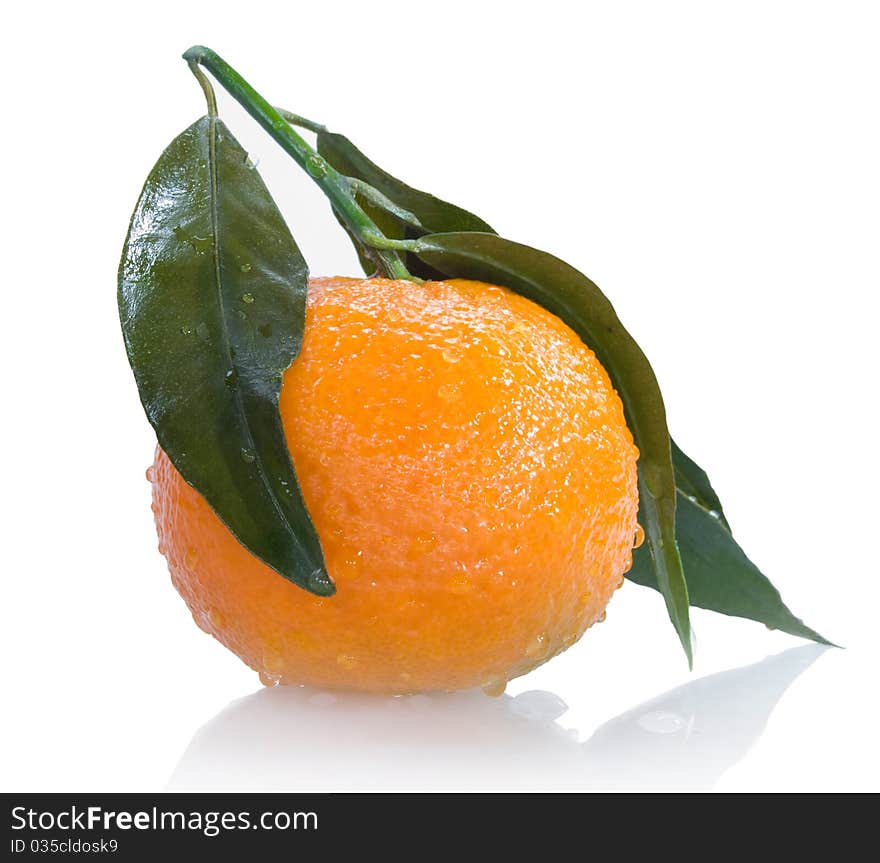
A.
x: 538, y: 706
x: 422, y: 544
x: 248, y: 455
x: 601, y: 617
x: 247, y: 298
x: 450, y: 355
x: 538, y: 647
x: 459, y: 584
x: 201, y: 621
x: 661, y: 722
x: 150, y: 473
x: 351, y: 562
x: 639, y: 537
x: 495, y: 687
x: 245, y: 268
x: 346, y: 661
x: 269, y: 679
x: 448, y: 392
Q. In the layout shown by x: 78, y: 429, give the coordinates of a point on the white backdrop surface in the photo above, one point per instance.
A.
x: 712, y: 166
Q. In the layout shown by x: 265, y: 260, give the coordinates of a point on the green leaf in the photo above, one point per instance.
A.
x: 575, y: 299
x: 693, y: 482
x: 719, y: 575
x: 212, y: 292
x: 435, y: 215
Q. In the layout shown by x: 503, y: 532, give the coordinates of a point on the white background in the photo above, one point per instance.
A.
x: 714, y: 167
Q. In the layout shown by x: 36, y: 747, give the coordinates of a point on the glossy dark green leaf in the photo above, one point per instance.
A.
x: 719, y: 575
x: 692, y: 481
x: 436, y: 216
x: 575, y: 299
x: 212, y: 292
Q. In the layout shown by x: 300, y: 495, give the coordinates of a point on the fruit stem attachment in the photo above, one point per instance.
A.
x: 338, y: 188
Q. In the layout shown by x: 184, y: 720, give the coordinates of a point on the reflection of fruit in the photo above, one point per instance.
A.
x: 467, y: 465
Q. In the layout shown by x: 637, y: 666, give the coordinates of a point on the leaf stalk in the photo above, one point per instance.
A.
x: 338, y: 188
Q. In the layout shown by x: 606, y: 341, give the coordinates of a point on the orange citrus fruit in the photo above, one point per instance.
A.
x: 467, y: 465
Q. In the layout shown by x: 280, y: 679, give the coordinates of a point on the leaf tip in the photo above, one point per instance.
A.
x: 320, y: 583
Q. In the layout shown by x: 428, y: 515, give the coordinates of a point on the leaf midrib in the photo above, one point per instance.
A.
x: 215, y: 230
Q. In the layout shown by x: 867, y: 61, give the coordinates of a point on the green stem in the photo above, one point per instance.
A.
x: 334, y: 185
x: 302, y: 122
x: 207, y: 89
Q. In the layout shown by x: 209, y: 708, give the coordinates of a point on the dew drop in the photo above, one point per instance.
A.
x: 459, y: 584
x: 150, y: 473
x: 601, y: 617
x: 448, y: 392
x: 351, y: 562
x: 248, y: 455
x: 202, y: 245
x: 269, y: 679
x: 422, y: 544
x: 231, y: 378
x: 538, y: 647
x: 316, y: 166
x: 494, y: 687
x: 186, y: 330
x: 247, y: 298
x: 639, y: 537
x: 245, y: 268
x: 201, y: 621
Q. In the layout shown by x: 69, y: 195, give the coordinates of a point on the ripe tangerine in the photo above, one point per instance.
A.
x: 466, y: 462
